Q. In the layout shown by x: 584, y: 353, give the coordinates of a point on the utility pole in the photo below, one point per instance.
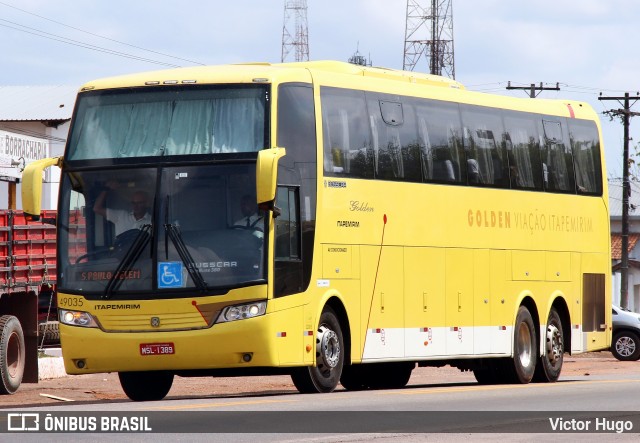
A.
x: 533, y: 88
x: 626, y: 114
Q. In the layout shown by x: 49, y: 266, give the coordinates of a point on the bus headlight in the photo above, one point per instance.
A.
x: 240, y: 312
x: 77, y: 318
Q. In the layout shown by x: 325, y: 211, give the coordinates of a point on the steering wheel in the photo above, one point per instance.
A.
x: 121, y: 244
x: 124, y: 240
x: 247, y: 228
x: 101, y: 252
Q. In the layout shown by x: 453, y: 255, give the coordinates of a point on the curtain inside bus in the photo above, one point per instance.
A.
x: 142, y: 123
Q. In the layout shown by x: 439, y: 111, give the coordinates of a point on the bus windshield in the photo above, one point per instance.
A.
x: 160, y: 230
x: 151, y: 122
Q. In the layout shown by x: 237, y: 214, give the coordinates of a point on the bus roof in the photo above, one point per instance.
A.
x: 252, y: 72
x: 378, y: 72
x: 440, y: 87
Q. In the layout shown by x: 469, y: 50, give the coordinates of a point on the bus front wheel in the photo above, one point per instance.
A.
x: 146, y: 385
x: 325, y: 375
x: 550, y: 363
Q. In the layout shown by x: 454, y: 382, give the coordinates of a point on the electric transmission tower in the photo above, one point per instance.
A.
x: 295, y: 33
x: 429, y: 33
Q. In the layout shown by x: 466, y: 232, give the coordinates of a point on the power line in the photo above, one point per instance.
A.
x: 100, y: 36
x: 72, y: 42
x: 576, y: 89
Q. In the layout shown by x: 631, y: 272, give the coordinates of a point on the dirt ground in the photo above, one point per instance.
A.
x: 95, y: 387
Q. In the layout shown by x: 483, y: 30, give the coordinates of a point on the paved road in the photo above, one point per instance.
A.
x: 98, y: 388
x: 594, y: 382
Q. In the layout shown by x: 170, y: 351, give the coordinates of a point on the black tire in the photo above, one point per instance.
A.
x: 12, y: 354
x: 522, y: 366
x: 489, y: 372
x: 146, y: 385
x: 626, y: 346
x: 354, y: 377
x: 549, y: 364
x: 389, y: 375
x: 325, y: 375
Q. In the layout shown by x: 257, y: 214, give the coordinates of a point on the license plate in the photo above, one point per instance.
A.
x: 157, y: 348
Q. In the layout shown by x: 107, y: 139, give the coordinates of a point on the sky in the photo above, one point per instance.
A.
x: 587, y: 46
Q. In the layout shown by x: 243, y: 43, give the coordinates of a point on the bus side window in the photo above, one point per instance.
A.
x: 386, y: 118
x: 586, y: 156
x: 522, y: 143
x: 439, y: 123
x: 346, y: 133
x: 486, y: 158
x: 557, y: 158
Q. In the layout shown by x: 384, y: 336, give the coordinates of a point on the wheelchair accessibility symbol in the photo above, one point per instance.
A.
x: 170, y: 274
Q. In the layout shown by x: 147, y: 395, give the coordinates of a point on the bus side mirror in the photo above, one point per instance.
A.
x: 267, y: 176
x: 32, y: 185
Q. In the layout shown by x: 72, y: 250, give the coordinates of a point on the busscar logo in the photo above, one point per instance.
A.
x: 335, y: 184
x: 23, y: 422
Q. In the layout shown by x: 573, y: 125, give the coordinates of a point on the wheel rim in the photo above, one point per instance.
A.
x: 524, y: 345
x: 554, y: 344
x: 327, y: 348
x: 625, y: 346
x: 13, y: 355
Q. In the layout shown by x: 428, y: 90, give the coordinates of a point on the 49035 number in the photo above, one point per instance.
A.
x: 70, y: 302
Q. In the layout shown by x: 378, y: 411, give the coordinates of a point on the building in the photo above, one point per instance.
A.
x: 34, y: 122
x: 615, y: 208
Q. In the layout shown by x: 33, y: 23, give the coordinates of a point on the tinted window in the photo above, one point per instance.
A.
x: 297, y: 133
x: 394, y: 139
x: 585, y: 145
x: 391, y: 137
x: 439, y: 131
x: 485, y: 155
x: 523, y: 150
x: 557, y: 161
x: 347, y: 138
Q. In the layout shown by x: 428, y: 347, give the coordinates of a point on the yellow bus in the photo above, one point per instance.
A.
x: 334, y: 222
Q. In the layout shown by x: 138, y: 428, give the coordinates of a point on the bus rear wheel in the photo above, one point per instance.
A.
x: 325, y: 375
x: 550, y: 363
x: 146, y: 385
x: 521, y: 368
x: 12, y: 354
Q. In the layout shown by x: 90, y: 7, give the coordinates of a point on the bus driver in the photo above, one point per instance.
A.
x: 125, y: 220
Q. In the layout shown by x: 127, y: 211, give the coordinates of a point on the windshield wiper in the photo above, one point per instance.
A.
x: 185, y: 256
x: 130, y: 257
